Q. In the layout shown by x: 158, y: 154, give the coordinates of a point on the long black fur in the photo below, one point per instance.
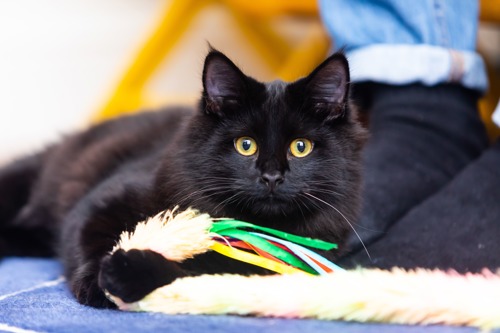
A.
x: 76, y: 197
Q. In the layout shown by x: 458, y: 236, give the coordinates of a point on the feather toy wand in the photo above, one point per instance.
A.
x: 179, y: 236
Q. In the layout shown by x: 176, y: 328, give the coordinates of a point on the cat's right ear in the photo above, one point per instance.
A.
x: 326, y: 89
x: 223, y: 82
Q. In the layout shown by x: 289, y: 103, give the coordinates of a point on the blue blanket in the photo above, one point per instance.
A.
x: 34, y: 298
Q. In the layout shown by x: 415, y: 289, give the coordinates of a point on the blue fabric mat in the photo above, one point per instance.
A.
x: 34, y: 298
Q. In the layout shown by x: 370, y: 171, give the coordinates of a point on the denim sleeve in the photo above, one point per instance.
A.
x: 406, y: 41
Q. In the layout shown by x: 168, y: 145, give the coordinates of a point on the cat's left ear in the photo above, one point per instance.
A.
x: 327, y: 87
x: 223, y: 82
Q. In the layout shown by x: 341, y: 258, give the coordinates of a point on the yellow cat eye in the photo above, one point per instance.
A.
x: 245, y: 145
x: 301, y: 147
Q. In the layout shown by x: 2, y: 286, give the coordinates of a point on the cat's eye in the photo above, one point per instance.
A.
x: 245, y: 145
x: 301, y: 147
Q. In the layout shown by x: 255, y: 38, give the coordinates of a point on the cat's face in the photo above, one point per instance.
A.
x: 275, y: 151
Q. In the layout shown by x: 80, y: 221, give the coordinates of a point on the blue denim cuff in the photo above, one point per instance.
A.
x: 426, y: 64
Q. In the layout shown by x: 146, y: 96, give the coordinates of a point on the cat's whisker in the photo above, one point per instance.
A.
x: 213, y: 187
x: 192, y: 194
x: 227, y: 201
x: 216, y: 189
x: 247, y: 202
x: 297, y: 203
x: 305, y: 205
x: 345, y: 218
x: 329, y: 192
x: 323, y: 182
x: 188, y: 196
x: 311, y: 201
x: 283, y: 212
x: 235, y: 199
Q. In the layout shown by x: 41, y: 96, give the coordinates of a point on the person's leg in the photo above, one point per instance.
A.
x: 458, y: 227
x: 420, y: 137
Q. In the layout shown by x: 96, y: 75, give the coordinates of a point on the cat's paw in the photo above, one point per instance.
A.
x: 131, y: 275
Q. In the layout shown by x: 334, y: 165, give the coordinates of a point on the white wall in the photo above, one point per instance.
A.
x: 58, y: 61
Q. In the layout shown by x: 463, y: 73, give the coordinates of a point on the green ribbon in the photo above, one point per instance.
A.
x: 221, y: 225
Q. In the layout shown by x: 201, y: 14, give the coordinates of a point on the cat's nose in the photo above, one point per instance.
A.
x: 272, y: 179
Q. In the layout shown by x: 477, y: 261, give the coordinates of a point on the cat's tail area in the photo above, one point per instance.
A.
x: 17, y: 180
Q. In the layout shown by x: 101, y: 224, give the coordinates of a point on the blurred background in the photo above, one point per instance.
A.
x: 65, y: 64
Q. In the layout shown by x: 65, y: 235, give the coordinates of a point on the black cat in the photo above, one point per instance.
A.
x: 286, y: 156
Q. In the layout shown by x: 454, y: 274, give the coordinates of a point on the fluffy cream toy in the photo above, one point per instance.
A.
x: 366, y: 295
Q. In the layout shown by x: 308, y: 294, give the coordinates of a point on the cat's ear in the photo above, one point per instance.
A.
x: 327, y: 87
x: 223, y: 82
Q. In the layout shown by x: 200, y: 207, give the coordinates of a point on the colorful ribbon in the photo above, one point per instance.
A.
x: 271, y: 249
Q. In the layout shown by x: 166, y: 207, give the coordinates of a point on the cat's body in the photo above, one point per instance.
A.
x: 281, y: 155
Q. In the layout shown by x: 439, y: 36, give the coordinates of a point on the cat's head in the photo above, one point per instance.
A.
x: 276, y: 152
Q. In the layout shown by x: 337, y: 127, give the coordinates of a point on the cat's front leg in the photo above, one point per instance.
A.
x: 131, y: 275
x: 91, y: 230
